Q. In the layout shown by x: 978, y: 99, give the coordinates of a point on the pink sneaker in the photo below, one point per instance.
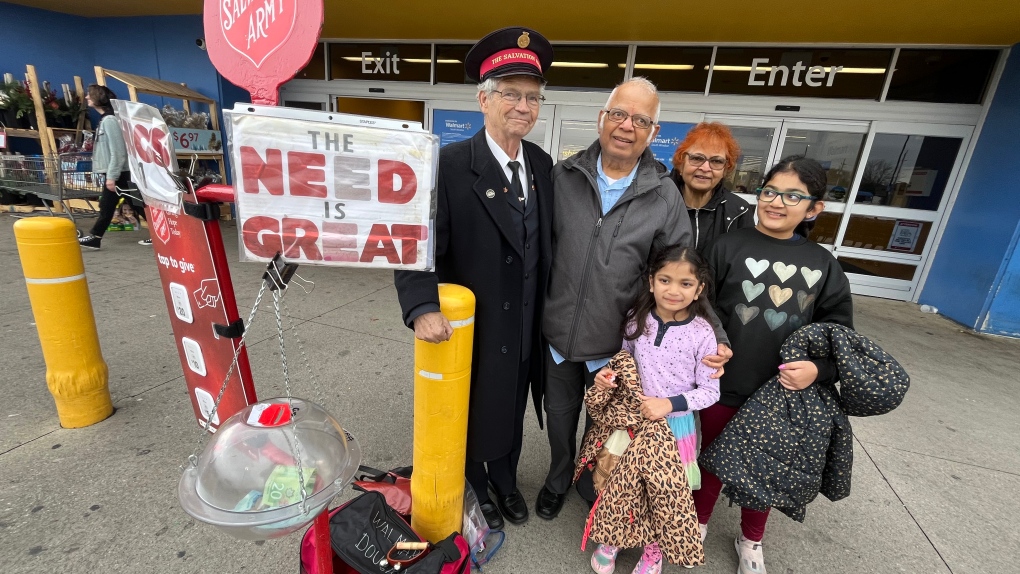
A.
x: 603, y: 560
x: 651, y: 561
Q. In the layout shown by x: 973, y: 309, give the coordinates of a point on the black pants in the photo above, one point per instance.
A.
x: 108, y: 203
x: 565, y: 385
x: 502, y: 472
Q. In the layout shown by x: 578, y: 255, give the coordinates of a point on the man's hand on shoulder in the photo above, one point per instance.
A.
x: 432, y: 327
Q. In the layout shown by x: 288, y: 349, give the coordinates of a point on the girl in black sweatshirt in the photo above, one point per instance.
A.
x: 770, y: 280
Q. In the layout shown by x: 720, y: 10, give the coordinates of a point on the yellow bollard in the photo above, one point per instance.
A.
x: 442, y: 384
x: 76, y: 373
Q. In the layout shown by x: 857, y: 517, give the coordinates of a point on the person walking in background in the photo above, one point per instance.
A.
x: 702, y: 161
x: 110, y: 165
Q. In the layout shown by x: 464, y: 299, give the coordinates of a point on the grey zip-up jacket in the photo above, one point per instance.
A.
x: 600, y: 262
x: 109, y: 156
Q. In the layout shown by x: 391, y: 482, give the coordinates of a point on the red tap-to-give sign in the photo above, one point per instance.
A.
x: 260, y: 44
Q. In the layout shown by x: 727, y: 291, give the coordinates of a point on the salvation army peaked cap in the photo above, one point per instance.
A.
x: 509, y: 52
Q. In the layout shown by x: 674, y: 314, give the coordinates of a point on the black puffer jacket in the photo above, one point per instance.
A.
x: 784, y: 447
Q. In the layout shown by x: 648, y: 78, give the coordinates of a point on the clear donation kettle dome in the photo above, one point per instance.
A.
x: 248, y: 480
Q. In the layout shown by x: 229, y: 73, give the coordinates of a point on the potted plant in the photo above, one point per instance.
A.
x: 19, y: 109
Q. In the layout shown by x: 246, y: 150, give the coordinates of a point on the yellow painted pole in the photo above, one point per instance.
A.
x: 76, y: 373
x: 442, y: 383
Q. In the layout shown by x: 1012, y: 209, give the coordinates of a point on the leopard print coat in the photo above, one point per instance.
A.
x: 647, y: 498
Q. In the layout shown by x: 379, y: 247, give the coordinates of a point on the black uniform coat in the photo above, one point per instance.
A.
x: 478, y: 247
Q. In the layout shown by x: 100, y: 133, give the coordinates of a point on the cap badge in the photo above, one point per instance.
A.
x: 524, y: 40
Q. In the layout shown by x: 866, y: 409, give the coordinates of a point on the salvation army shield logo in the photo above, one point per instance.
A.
x: 257, y: 28
x: 260, y: 44
x: 160, y: 226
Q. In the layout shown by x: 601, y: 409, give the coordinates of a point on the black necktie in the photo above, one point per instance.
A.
x: 515, y: 183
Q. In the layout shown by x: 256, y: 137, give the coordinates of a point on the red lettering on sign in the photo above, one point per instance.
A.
x: 339, y: 241
x: 261, y: 236
x: 388, y: 192
x: 304, y: 166
x: 379, y: 244
x: 149, y: 145
x: 409, y: 236
x: 295, y: 243
x: 255, y: 170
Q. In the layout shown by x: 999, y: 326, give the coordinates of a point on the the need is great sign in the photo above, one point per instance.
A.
x: 329, y: 193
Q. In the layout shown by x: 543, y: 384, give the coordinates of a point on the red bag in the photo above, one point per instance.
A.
x: 394, y: 485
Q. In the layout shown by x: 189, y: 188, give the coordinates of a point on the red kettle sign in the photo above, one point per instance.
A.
x: 260, y: 44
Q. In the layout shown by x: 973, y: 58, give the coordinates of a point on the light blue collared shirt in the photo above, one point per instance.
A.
x: 610, y: 191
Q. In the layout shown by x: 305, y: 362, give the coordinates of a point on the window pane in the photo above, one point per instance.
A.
x: 942, y: 76
x: 587, y: 67
x: 908, y: 171
x: 316, y: 68
x: 825, y: 228
x: 450, y: 63
x: 576, y: 137
x: 755, y: 144
x: 839, y: 73
x: 370, y: 61
x: 394, y: 109
x: 838, y: 152
x: 886, y: 233
x: 674, y: 69
x: 877, y: 268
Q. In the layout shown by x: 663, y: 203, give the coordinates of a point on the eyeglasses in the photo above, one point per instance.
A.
x: 769, y: 194
x: 513, y: 98
x: 697, y: 160
x: 618, y: 116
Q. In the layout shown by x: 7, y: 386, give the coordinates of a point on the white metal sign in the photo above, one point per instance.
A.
x: 330, y: 189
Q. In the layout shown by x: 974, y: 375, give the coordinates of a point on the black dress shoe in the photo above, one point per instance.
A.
x: 512, y: 506
x: 492, y: 515
x: 549, y: 504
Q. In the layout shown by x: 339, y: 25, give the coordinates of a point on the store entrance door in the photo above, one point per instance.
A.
x: 888, y: 185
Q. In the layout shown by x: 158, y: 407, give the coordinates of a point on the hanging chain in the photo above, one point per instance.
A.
x: 296, y: 446
x: 319, y: 394
x: 193, y: 459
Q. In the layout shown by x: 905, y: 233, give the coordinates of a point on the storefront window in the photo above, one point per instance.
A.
x: 755, y: 144
x: 450, y: 63
x: 826, y: 227
x: 376, y: 61
x: 942, y: 76
x: 908, y: 171
x: 673, y: 69
x: 838, y: 152
x: 316, y: 68
x: 597, y: 67
x: 575, y: 137
x: 409, y: 110
x: 873, y: 268
x: 886, y: 234
x: 803, y: 72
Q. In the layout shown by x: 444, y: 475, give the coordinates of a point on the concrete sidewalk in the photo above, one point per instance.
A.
x: 934, y: 487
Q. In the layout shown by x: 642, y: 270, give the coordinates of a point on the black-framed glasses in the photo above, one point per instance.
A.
x: 769, y: 194
x: 697, y: 160
x: 640, y: 121
x: 513, y: 98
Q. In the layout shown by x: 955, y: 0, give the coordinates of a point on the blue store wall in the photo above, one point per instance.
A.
x: 975, y: 277
x: 62, y: 46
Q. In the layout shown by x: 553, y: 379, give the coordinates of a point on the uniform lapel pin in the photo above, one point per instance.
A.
x: 490, y: 194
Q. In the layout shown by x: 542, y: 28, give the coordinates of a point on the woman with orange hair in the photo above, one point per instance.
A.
x: 700, y: 164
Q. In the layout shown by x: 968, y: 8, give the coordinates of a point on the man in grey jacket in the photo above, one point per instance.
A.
x: 614, y: 206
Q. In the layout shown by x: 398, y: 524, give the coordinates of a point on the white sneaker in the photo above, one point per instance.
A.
x: 749, y: 556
